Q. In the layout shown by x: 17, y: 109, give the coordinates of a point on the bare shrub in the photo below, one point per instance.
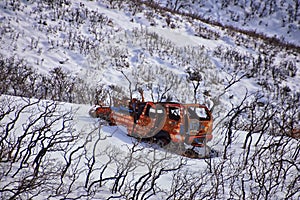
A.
x: 34, y: 132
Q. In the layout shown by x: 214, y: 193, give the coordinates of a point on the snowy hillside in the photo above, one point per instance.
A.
x: 59, y: 151
x: 276, y: 18
x: 60, y: 57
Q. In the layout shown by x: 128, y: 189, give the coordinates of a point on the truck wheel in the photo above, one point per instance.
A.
x: 162, y: 138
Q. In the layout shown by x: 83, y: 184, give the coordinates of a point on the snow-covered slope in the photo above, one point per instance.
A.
x: 274, y: 18
x: 76, y: 156
x: 88, y: 39
x: 112, y: 48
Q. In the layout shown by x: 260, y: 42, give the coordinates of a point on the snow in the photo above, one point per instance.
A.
x: 250, y: 15
x: 45, y: 47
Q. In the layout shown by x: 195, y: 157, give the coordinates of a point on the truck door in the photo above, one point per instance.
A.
x: 197, y: 118
x: 152, y: 121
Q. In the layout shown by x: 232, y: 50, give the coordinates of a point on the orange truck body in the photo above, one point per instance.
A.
x: 180, y: 123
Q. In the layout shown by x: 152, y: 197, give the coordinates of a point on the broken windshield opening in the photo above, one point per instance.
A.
x: 174, y: 113
x: 198, y: 113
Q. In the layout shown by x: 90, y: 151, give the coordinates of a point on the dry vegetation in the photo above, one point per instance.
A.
x: 37, y: 159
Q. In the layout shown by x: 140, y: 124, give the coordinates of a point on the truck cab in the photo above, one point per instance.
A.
x: 180, y: 123
x: 166, y: 121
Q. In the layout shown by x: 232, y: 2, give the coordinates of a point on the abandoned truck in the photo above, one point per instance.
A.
x: 162, y: 122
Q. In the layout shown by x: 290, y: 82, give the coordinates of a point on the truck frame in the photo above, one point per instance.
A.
x: 162, y: 122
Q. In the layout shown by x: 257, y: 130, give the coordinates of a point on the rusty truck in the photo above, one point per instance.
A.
x: 162, y: 122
